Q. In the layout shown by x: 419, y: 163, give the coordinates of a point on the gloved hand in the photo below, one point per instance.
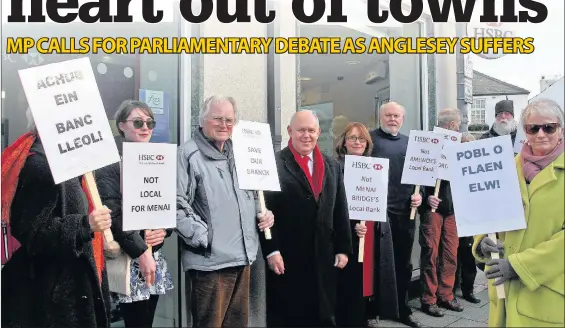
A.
x: 500, y: 268
x: 488, y: 246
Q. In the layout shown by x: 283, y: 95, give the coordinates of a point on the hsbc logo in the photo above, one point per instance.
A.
x: 435, y: 140
x: 160, y: 157
x: 378, y: 167
x: 151, y: 159
x: 453, y: 138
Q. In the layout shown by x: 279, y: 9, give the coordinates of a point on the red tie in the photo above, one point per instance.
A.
x: 305, y: 160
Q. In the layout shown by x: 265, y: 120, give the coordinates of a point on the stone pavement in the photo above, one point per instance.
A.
x: 474, y: 315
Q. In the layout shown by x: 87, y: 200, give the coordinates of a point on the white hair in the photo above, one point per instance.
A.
x: 215, y: 100
x: 448, y: 115
x: 392, y: 104
x: 293, y: 117
x: 545, y: 108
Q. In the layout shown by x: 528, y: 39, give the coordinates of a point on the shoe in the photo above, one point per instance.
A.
x: 433, y: 310
x: 470, y: 297
x: 451, y: 305
x: 410, y: 321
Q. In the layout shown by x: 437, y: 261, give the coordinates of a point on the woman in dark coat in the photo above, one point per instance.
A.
x: 57, y: 278
x: 149, y: 272
x: 365, y: 290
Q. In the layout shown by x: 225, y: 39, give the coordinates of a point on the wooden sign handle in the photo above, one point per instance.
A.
x: 436, y: 191
x: 413, y: 213
x: 148, y: 246
x: 263, y: 211
x: 500, y: 288
x: 110, y: 243
x: 361, y: 246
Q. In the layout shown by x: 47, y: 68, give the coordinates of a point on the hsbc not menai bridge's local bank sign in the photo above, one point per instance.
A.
x: 490, y: 30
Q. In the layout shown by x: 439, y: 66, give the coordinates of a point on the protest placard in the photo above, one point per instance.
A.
x: 255, y: 160
x: 70, y: 118
x: 520, y: 139
x: 421, y: 160
x: 149, y: 186
x: 484, y: 187
x: 449, y: 137
x: 366, y: 187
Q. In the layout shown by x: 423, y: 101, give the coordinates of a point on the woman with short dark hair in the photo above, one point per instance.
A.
x: 365, y: 290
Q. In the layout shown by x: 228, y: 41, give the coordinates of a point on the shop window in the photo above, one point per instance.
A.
x: 478, y: 111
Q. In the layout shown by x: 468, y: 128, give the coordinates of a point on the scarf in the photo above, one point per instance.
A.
x: 532, y: 164
x: 316, y: 180
x: 13, y: 160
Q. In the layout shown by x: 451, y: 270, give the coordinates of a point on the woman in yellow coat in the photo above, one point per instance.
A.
x: 531, y: 264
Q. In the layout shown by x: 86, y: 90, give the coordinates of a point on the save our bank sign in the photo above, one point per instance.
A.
x: 490, y: 30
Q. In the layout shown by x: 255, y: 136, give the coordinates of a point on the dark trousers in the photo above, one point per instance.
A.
x: 220, y: 298
x: 438, y: 259
x: 466, y: 268
x: 403, y: 230
x: 140, y: 313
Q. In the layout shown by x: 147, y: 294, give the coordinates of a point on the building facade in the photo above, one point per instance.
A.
x: 268, y: 88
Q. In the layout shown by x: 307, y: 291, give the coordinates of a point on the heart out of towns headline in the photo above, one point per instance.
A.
x: 150, y: 194
x: 262, y: 45
x: 62, y: 99
x: 481, y: 168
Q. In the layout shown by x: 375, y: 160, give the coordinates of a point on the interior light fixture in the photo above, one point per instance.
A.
x: 352, y: 62
x: 305, y: 78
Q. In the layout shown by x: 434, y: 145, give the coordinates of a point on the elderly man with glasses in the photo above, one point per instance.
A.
x: 216, y: 221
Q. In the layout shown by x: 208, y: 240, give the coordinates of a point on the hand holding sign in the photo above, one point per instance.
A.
x: 449, y: 137
x: 255, y: 161
x: 422, y: 153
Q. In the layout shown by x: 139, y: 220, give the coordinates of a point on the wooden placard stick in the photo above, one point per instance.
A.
x: 436, y: 191
x: 361, y: 246
x: 413, y: 213
x: 500, y: 288
x: 109, y: 243
x: 148, y: 246
x: 264, y: 211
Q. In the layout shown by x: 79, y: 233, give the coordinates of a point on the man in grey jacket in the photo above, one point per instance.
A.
x: 216, y: 220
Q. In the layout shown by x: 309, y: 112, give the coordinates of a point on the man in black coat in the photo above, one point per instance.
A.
x: 312, y: 238
x: 389, y: 143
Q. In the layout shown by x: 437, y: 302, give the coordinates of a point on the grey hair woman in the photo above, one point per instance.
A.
x: 532, y: 259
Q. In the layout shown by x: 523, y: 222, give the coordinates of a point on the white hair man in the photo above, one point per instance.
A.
x: 504, y: 123
x: 312, y: 235
x: 389, y: 143
x: 216, y: 221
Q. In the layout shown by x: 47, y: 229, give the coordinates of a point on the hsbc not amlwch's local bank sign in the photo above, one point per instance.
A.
x: 490, y: 30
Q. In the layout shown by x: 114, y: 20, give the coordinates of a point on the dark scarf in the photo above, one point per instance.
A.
x: 316, y: 180
x: 13, y: 160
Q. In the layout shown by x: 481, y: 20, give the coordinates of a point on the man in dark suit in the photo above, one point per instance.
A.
x: 312, y: 237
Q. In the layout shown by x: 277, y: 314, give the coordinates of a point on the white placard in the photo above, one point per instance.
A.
x: 149, y: 177
x: 449, y: 137
x: 255, y: 157
x: 484, y: 187
x: 70, y: 118
x: 520, y: 139
x: 366, y: 187
x: 421, y: 158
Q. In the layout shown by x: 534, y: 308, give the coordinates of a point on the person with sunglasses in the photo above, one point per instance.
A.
x: 532, y: 260
x: 135, y: 122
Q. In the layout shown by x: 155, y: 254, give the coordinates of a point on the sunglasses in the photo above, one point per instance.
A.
x: 548, y: 128
x: 138, y: 123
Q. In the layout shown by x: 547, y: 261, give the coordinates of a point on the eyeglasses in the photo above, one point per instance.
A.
x: 355, y: 138
x: 138, y: 123
x: 548, y: 128
x: 219, y: 120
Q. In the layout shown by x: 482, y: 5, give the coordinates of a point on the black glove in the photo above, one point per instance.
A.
x: 500, y: 268
x: 488, y: 246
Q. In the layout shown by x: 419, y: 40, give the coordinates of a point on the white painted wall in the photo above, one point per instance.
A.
x: 520, y: 102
